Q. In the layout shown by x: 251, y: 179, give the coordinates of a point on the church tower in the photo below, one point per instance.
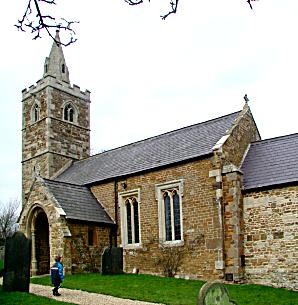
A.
x: 56, y: 122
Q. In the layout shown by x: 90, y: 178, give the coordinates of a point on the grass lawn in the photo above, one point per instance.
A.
x: 1, y: 264
x: 170, y: 291
x: 17, y: 298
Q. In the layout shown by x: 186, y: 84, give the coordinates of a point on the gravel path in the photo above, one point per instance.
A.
x: 83, y: 297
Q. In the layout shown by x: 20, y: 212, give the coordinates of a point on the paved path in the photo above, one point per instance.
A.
x: 83, y: 297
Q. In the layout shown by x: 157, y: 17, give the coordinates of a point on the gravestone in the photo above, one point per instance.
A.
x: 17, y: 261
x: 112, y: 261
x: 214, y: 293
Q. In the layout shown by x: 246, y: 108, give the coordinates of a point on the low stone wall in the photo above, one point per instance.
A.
x: 271, y: 237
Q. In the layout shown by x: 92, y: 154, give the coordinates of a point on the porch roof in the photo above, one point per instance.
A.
x: 78, y: 202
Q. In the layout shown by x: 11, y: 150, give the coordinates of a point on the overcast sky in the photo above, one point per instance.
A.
x: 149, y: 76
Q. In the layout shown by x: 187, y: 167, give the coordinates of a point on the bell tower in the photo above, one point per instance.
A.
x: 56, y: 122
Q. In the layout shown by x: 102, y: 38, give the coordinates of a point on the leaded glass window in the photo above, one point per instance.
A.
x: 132, y: 221
x: 128, y: 221
x: 172, y: 224
x: 176, y: 207
x: 168, y: 225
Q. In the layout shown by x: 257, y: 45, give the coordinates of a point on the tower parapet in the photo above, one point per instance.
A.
x: 49, y: 80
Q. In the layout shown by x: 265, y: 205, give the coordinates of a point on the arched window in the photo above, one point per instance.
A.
x: 69, y: 113
x: 172, y: 215
x: 63, y: 68
x: 35, y: 113
x: 169, y: 196
x: 132, y: 221
x: 130, y: 218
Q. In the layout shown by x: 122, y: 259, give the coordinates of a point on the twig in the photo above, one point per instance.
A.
x: 39, y: 22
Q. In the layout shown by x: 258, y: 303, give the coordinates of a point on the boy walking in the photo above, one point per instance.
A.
x: 57, y: 275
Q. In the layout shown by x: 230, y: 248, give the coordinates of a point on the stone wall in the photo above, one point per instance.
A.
x: 241, y: 134
x: 271, y: 237
x: 86, y: 257
x: 202, y: 237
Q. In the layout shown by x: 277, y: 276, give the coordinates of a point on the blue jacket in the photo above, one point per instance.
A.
x: 57, y: 274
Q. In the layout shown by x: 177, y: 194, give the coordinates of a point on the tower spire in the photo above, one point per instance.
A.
x: 55, y: 64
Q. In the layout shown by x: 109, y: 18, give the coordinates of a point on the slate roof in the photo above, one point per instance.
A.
x: 271, y: 162
x: 169, y: 148
x: 78, y: 202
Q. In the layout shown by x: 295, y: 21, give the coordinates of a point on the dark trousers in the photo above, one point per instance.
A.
x: 55, y: 289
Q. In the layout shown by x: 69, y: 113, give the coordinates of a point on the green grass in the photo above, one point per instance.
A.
x: 1, y: 264
x: 262, y: 295
x: 22, y: 298
x: 170, y: 291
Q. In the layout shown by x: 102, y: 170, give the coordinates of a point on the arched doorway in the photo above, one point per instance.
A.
x: 42, y: 247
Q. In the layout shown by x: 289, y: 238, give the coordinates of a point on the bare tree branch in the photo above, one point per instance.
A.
x: 131, y: 2
x: 174, y: 5
x: 37, y: 22
x: 8, y: 218
x: 249, y: 2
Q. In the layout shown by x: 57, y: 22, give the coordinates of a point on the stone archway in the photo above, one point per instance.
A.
x: 39, y: 232
x: 42, y: 247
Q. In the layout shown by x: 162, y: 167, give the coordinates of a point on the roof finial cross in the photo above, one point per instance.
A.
x: 246, y: 98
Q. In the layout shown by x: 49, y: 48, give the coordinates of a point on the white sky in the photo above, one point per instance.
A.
x: 149, y: 76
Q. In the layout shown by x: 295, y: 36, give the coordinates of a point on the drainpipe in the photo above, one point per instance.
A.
x: 116, y: 210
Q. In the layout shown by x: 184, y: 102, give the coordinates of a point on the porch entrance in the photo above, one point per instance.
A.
x: 42, y: 247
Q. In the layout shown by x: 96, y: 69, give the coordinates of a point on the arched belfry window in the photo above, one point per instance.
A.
x: 69, y: 113
x: 35, y: 113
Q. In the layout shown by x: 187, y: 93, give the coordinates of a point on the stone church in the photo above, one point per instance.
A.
x: 214, y: 192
